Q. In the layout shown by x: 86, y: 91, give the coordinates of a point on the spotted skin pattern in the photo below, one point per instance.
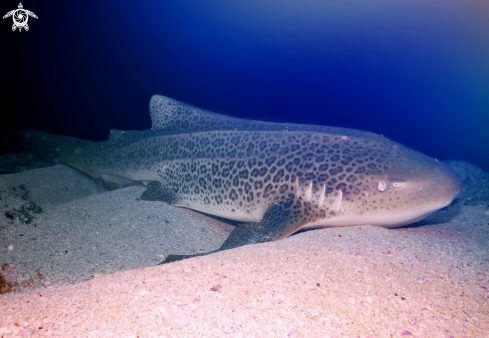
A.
x: 279, y: 178
x: 245, y: 173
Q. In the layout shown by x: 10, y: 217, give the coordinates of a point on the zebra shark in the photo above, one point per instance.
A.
x: 277, y: 178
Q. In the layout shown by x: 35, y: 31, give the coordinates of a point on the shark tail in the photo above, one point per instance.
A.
x: 45, y: 147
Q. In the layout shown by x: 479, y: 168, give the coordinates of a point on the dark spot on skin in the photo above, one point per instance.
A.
x: 247, y: 188
x: 323, y: 167
x: 233, y: 195
x: 278, y: 176
x: 274, y: 147
x: 250, y: 197
x: 216, y: 183
x: 258, y: 185
x: 215, y: 169
x: 283, y: 151
x: 288, y: 167
x: 243, y: 174
x: 218, y: 199
x: 269, y: 161
x: 251, y: 162
x: 336, y: 170
x: 268, y: 188
x: 360, y: 170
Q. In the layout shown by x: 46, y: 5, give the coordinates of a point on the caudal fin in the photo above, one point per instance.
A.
x: 45, y: 147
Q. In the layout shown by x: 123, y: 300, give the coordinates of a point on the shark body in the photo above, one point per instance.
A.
x: 277, y: 178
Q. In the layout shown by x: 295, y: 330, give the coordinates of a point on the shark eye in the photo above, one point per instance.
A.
x: 397, y: 184
x: 381, y: 186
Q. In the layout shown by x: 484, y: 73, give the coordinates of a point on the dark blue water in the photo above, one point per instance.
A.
x: 415, y: 71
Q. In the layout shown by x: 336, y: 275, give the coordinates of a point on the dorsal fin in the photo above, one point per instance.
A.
x: 170, y: 114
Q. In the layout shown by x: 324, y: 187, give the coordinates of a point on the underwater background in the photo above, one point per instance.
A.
x: 415, y: 71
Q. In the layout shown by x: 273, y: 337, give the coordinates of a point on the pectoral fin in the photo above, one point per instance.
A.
x: 158, y: 192
x: 280, y: 221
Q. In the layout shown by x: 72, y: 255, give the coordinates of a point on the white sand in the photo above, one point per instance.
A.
x: 324, y: 283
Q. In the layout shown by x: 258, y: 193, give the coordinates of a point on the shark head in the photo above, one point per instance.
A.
x: 414, y: 187
x: 408, y: 189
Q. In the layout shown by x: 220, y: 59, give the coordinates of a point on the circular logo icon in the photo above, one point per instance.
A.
x: 20, y: 17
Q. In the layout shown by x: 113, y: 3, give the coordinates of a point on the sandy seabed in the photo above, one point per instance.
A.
x: 341, y: 282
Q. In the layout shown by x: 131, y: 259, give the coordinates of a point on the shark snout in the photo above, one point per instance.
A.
x: 448, y: 184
